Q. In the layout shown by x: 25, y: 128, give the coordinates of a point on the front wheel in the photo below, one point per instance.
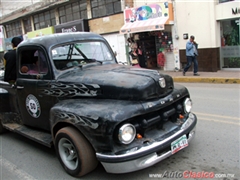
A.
x: 75, y: 152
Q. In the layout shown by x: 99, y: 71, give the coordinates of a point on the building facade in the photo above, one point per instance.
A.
x: 214, y: 23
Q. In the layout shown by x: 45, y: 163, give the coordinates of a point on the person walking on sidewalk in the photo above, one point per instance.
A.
x: 191, y: 53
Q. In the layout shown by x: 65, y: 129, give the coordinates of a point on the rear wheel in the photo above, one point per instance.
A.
x: 75, y: 152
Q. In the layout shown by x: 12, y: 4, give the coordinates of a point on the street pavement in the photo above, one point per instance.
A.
x: 221, y: 77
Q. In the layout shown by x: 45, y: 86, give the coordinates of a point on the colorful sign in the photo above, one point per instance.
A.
x: 150, y: 17
x: 40, y: 32
x: 146, y: 12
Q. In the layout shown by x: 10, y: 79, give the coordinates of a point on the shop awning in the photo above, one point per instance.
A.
x: 145, y: 25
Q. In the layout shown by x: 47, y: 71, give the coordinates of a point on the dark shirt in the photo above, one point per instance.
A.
x: 10, y: 69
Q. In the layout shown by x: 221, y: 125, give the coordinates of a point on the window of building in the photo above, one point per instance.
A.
x: 27, y: 25
x: 14, y: 29
x: 45, y: 19
x: 105, y: 7
x: 73, y: 11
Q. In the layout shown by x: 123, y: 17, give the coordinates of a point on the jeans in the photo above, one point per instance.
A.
x: 191, y: 59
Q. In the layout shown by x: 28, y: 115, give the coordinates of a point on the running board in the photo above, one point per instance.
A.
x: 41, y: 137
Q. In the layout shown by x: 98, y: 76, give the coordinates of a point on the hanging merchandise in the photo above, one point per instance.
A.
x: 161, y: 59
x: 164, y: 40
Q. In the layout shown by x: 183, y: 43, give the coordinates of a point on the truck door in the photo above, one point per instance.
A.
x: 34, y: 74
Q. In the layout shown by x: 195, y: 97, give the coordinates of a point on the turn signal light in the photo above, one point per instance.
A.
x: 181, y: 116
x: 139, y: 136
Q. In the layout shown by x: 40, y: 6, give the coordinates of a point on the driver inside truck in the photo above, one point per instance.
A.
x: 38, y: 65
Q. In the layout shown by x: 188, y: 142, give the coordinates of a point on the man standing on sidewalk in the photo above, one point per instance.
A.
x: 191, y: 53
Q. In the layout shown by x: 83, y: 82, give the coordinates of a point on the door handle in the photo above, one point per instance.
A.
x: 20, y: 87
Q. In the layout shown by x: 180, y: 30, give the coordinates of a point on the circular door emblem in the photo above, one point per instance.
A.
x: 33, y: 106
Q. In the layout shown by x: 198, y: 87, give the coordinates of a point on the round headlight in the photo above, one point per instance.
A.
x: 126, y: 133
x: 187, y: 105
x: 162, y: 82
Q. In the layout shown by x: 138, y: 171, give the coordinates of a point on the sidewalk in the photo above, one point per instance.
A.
x: 221, y: 76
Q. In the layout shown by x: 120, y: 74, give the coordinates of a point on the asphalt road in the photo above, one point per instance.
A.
x: 214, y: 150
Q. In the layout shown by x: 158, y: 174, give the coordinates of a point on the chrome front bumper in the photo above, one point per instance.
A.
x: 148, y: 160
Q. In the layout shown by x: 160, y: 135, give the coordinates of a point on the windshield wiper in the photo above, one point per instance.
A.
x: 83, y: 55
x: 69, y: 56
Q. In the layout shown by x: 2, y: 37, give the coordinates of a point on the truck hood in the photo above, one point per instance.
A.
x: 112, y: 81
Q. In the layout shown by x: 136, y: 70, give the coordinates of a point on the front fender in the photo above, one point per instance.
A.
x: 96, y: 119
x: 92, y: 113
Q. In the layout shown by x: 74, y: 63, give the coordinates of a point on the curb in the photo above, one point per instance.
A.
x: 207, y: 80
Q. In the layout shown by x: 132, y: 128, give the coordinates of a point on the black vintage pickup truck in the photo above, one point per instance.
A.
x: 71, y: 93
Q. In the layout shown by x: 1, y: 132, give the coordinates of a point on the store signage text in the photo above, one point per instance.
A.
x: 235, y: 11
x: 71, y: 29
x: 146, y: 12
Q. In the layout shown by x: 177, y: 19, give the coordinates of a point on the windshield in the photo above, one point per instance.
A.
x: 80, y: 53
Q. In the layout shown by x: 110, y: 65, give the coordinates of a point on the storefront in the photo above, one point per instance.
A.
x: 228, y: 15
x: 149, y: 29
